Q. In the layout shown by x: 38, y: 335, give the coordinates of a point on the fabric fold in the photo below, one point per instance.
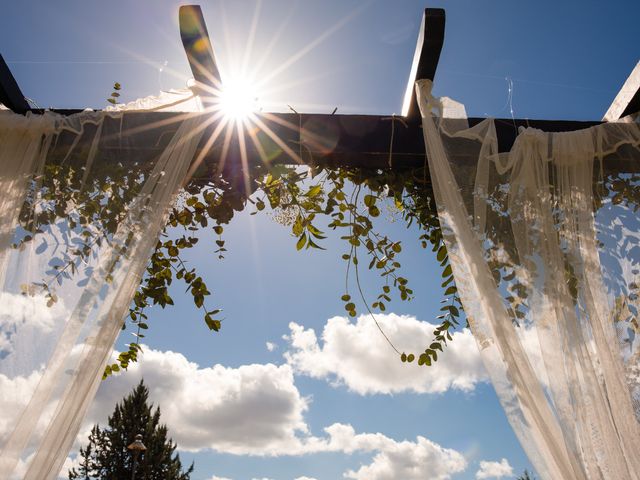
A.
x: 531, y: 238
x: 66, y: 282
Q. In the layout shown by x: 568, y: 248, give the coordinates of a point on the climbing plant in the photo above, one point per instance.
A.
x: 312, y: 202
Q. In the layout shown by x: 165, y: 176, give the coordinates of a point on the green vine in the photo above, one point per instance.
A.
x: 87, y: 207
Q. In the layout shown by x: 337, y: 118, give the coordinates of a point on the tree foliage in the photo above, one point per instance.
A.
x: 526, y: 476
x: 106, y: 456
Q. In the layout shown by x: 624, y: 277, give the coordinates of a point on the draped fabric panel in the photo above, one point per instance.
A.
x: 79, y: 217
x: 544, y: 243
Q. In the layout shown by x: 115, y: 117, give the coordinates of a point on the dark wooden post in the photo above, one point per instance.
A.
x: 10, y: 94
x: 197, y: 45
x: 425, y: 58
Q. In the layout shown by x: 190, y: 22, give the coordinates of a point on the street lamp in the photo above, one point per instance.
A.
x: 136, y: 447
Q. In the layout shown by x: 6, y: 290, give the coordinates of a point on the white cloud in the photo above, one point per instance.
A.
x: 357, y: 355
x: 304, y: 478
x: 411, y: 461
x: 394, y: 459
x: 249, y: 410
x: 257, y: 410
x: 215, y: 477
x: 14, y: 395
x: 494, y: 469
x: 69, y: 463
x: 271, y: 346
x: 254, y: 409
x: 23, y: 317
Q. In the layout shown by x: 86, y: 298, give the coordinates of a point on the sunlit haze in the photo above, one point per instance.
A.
x: 238, y: 98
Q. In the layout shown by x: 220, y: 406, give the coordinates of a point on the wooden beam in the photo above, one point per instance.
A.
x: 361, y: 141
x: 10, y: 94
x: 628, y: 99
x: 197, y: 45
x: 425, y: 58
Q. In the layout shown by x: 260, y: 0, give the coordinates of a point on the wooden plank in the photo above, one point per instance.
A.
x: 425, y: 58
x: 334, y: 140
x: 10, y: 94
x: 197, y: 45
x: 339, y: 141
x: 628, y: 99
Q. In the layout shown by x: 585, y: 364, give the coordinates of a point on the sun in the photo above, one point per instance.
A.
x: 238, y: 99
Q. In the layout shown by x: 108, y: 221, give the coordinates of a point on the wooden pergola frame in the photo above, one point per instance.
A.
x: 361, y: 140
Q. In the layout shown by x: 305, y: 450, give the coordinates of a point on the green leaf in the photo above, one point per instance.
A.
x: 198, y: 299
x: 314, y: 191
x: 447, y: 282
x: 369, y: 200
x: 346, y: 298
x: 312, y: 244
x: 447, y: 272
x: 301, y: 241
x: 212, y: 323
x: 297, y: 227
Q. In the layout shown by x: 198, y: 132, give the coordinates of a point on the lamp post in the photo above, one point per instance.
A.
x: 136, y: 448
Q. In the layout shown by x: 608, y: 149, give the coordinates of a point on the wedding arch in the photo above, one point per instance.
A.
x: 534, y: 224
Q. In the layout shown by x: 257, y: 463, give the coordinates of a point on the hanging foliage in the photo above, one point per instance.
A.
x: 313, y: 202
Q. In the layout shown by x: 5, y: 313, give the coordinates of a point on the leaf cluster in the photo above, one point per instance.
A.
x: 113, y: 98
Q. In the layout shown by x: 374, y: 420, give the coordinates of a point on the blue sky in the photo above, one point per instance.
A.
x: 565, y: 60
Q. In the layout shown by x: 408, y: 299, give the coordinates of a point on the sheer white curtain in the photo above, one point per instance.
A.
x: 66, y: 280
x: 544, y: 243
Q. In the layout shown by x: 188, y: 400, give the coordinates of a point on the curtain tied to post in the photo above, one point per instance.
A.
x: 544, y: 243
x: 82, y: 202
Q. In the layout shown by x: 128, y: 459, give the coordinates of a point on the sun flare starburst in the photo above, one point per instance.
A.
x: 238, y: 99
x: 237, y: 123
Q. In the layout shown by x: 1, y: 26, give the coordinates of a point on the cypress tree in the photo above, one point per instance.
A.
x: 106, y: 456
